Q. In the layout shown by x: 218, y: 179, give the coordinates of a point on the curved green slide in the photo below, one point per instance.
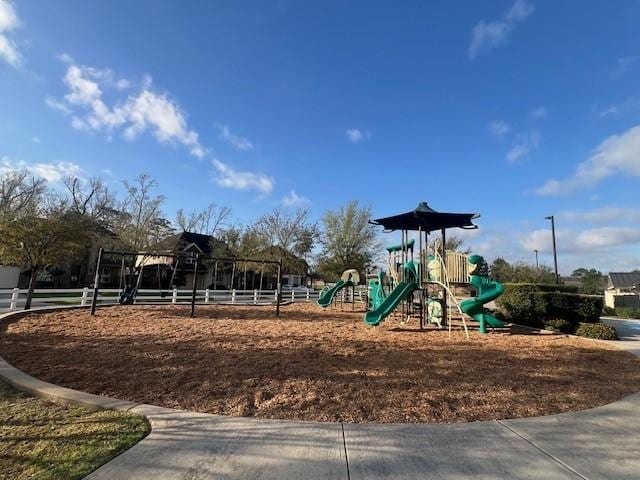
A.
x: 488, y: 290
x: 326, y: 296
x: 402, y: 291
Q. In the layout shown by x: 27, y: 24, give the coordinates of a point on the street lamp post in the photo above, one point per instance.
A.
x: 537, y: 265
x: 555, y: 252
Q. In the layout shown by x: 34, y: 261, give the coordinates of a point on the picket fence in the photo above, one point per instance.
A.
x: 14, y: 299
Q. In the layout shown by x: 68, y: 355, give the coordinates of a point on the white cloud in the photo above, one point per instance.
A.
x: 540, y: 112
x: 56, y: 105
x: 608, y: 214
x: 239, y: 143
x: 230, y: 178
x: 488, y: 35
x: 292, y: 199
x: 617, y: 154
x: 499, y: 128
x: 52, y: 172
x: 571, y: 241
x: 8, y: 22
x: 524, y: 145
x: 623, y: 65
x: 612, y: 110
x: 355, y: 135
x: 143, y: 110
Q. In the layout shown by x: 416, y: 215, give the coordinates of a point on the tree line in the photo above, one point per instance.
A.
x: 42, y: 226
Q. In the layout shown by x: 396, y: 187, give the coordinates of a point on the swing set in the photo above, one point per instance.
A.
x: 132, y: 270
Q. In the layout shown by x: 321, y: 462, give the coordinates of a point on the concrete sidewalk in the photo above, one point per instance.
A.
x: 602, y: 443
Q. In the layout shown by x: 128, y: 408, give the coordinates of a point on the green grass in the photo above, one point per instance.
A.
x: 44, y: 440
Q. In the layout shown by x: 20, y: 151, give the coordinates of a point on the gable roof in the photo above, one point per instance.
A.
x: 625, y: 280
x: 181, y: 241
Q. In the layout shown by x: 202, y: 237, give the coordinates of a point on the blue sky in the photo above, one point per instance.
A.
x: 516, y: 110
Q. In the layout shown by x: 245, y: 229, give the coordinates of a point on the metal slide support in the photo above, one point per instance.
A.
x: 195, y: 286
x: 96, y: 283
x: 445, y: 309
x: 279, y: 289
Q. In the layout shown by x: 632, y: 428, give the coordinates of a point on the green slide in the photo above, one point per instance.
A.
x: 402, y: 291
x: 488, y: 290
x: 327, y: 295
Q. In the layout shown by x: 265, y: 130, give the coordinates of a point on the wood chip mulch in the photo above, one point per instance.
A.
x: 314, y: 364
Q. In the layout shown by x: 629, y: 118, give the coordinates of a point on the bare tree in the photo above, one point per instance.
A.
x: 20, y: 193
x: 90, y: 198
x: 140, y: 213
x: 291, y: 231
x: 208, y: 222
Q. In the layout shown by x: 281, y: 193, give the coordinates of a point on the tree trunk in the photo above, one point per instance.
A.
x: 32, y: 283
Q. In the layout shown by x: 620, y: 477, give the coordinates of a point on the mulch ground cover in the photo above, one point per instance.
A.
x: 314, y: 364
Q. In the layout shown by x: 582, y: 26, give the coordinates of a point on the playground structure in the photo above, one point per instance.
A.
x: 426, y: 288
x: 349, y: 279
x: 132, y: 272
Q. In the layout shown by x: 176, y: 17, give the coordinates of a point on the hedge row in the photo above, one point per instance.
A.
x: 545, y: 287
x: 534, y: 305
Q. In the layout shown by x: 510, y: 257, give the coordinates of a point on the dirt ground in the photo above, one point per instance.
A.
x: 314, y: 364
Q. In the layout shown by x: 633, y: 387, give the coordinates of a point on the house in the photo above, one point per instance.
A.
x: 295, y: 270
x: 623, y: 290
x: 178, y: 268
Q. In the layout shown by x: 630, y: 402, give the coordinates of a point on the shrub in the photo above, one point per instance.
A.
x: 560, y: 325
x: 597, y: 330
x: 521, y: 305
x: 627, y: 312
x: 609, y: 311
x: 533, y: 305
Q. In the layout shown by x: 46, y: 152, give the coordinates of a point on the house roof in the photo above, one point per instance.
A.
x: 625, y: 280
x: 180, y: 241
x: 427, y: 219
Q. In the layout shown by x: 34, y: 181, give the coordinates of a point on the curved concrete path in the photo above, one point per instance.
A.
x: 602, y: 443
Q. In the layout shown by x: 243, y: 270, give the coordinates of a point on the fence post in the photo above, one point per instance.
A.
x: 293, y: 295
x: 307, y: 295
x: 14, y: 299
x: 233, y: 296
x: 255, y: 297
x: 85, y: 294
x: 174, y: 295
x: 206, y: 296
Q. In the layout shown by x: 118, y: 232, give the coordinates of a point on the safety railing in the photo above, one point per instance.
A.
x: 15, y: 299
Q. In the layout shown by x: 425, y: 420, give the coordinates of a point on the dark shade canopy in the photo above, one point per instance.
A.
x: 427, y: 219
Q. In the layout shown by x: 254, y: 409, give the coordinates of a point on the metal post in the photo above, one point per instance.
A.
x: 279, y: 288
x: 537, y: 265
x: 555, y: 252
x: 96, y: 283
x: 195, y: 286
x: 444, y: 275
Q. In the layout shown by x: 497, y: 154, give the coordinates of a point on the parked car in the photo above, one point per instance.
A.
x: 296, y: 288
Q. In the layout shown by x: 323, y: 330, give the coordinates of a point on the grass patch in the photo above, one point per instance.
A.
x: 44, y: 440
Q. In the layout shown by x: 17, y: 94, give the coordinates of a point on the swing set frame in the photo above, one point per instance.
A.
x: 199, y: 258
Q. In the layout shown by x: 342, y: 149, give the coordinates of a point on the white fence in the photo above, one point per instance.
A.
x: 14, y: 299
